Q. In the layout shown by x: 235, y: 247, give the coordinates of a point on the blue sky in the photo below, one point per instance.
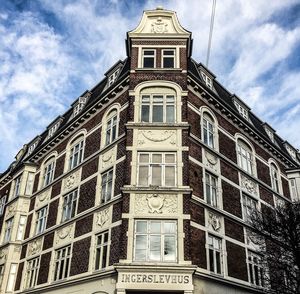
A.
x: 51, y: 51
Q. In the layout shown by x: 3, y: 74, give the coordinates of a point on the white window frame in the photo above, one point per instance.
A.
x: 150, y: 165
x: 148, y: 56
x: 249, y: 206
x: 41, y: 219
x: 49, y: 171
x: 69, y: 206
x: 107, y: 184
x: 211, y: 189
x: 207, y: 80
x: 111, y: 130
x: 32, y: 147
x: 102, y: 249
x: 2, y: 204
x: 8, y: 230
x: 53, y: 130
x: 11, y: 277
x: 32, y: 272
x: 245, y: 157
x: 275, y: 177
x: 76, y: 153
x: 242, y: 110
x: 294, y: 189
x: 208, y: 130
x: 29, y: 183
x: 2, y: 267
x: 113, y: 77
x: 255, y: 269
x: 215, y: 252
x: 21, y: 228
x: 165, y: 101
x: 148, y: 235
x: 62, y: 263
x: 79, y: 106
x: 17, y: 186
x: 164, y: 55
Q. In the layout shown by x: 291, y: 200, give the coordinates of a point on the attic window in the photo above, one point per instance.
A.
x: 270, y: 134
x: 113, y: 77
x: 291, y: 151
x: 207, y: 80
x: 79, y: 106
x: 242, y: 110
x: 53, y: 129
x: 32, y: 147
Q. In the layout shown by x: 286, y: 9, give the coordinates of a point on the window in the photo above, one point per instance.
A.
x: 242, y: 111
x: 29, y: 183
x: 111, y: 127
x: 155, y: 240
x: 1, y: 273
x: 106, y: 186
x: 21, y: 228
x: 76, y: 153
x: 11, y: 277
x: 32, y: 272
x: 32, y: 147
x: 207, y: 80
x: 17, y: 186
x: 168, y: 58
x: 49, y: 172
x: 249, y: 207
x: 80, y: 105
x: 148, y: 58
x: 211, y: 189
x: 8, y: 230
x: 208, y: 130
x: 294, y: 190
x: 40, y: 223
x: 113, y: 77
x: 158, y: 108
x: 53, y: 129
x: 245, y: 156
x: 2, y: 204
x: 215, y: 254
x: 255, y: 269
x: 69, y: 205
x: 157, y: 169
x: 62, y: 263
x: 102, y: 249
x: 274, y: 177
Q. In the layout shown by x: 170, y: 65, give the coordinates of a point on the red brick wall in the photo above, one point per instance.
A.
x: 36, y: 183
x: 84, y: 226
x: 80, y: 256
x: 44, y: 268
x: 266, y: 195
x: 195, y: 177
x: 19, y: 276
x: 229, y: 172
x: 197, y: 214
x: 234, y: 230
x: 92, y: 143
x: 285, y: 188
x: 198, y: 251
x: 52, y: 213
x: 28, y: 226
x: 48, y: 241
x: 89, y: 168
x: 231, y: 199
x: 263, y: 172
x: 194, y: 121
x: 187, y: 238
x: 56, y: 189
x: 227, y: 147
x: 87, y: 195
x: 195, y: 151
x: 59, y: 167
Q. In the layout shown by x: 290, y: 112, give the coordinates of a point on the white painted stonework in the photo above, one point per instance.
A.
x: 64, y: 235
x: 34, y: 247
x: 42, y: 199
x: 71, y: 181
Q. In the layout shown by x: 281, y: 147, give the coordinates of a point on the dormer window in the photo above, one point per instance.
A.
x: 52, y: 130
x: 148, y: 58
x: 113, y: 77
x: 269, y: 131
x: 242, y: 111
x: 79, y: 106
x: 207, y: 80
x: 32, y: 147
x: 291, y: 151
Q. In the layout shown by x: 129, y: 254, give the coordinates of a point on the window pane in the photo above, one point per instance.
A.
x: 169, y: 248
x: 170, y: 114
x: 143, y: 175
x: 170, y: 176
x: 156, y: 158
x: 149, y: 62
x: 145, y: 113
x: 156, y: 175
x: 157, y: 113
x: 169, y: 227
x: 155, y: 247
x: 144, y: 157
x: 155, y: 227
x: 170, y: 158
x: 141, y: 227
x: 168, y: 62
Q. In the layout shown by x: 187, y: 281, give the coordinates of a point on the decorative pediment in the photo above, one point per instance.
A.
x: 159, y: 22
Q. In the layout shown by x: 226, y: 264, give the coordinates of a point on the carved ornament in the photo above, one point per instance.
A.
x: 214, y: 221
x: 3, y: 255
x: 157, y: 137
x: 159, y: 27
x: 211, y: 160
x: 103, y: 217
x: 64, y: 232
x: 11, y: 209
x: 72, y: 180
x: 249, y: 185
x: 35, y: 247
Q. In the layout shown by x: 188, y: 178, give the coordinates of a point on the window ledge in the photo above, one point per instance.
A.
x: 146, y: 125
x: 159, y: 69
x: 185, y: 190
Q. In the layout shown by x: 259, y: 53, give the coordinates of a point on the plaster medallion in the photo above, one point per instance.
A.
x: 214, y: 221
x: 155, y: 203
x: 102, y: 217
x: 157, y: 136
x: 211, y: 160
x: 108, y: 158
x: 64, y: 232
x: 35, y: 246
x: 42, y: 197
x: 159, y: 27
x: 71, y: 180
x: 17, y: 248
x: 11, y: 209
x: 249, y: 185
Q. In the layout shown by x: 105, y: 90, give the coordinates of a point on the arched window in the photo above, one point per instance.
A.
x: 208, y: 130
x: 158, y: 105
x: 245, y: 156
x: 48, y: 172
x: 111, y: 127
x: 76, y: 152
x: 274, y: 177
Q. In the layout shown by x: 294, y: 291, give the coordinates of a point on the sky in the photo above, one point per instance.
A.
x: 51, y: 51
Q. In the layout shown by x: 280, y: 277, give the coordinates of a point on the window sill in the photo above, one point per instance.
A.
x: 146, y: 125
x: 128, y: 188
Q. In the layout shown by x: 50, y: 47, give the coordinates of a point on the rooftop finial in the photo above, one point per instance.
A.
x: 159, y: 7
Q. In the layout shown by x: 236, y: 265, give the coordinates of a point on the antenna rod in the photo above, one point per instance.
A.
x: 212, y: 20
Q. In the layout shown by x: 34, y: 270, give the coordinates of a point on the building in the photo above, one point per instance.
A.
x: 145, y: 183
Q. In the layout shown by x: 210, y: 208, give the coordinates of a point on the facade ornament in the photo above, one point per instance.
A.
x: 35, y: 247
x: 3, y: 255
x: 64, y: 232
x: 158, y: 137
x: 102, y: 217
x: 159, y: 27
x: 155, y: 203
x: 249, y: 185
x: 170, y: 204
x: 108, y: 158
x: 42, y: 197
x: 214, y: 221
x: 11, y: 209
x: 17, y: 248
x: 211, y: 160
x: 71, y: 180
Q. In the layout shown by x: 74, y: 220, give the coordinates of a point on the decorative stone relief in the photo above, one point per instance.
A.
x: 155, y: 203
x: 34, y: 247
x: 17, y: 248
x: 3, y: 255
x: 108, y: 158
x: 211, y: 161
x: 11, y: 210
x: 156, y: 136
x: 71, y: 181
x: 214, y: 221
x: 249, y: 185
x: 41, y: 198
x: 159, y: 26
x: 64, y: 234
x: 103, y: 217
